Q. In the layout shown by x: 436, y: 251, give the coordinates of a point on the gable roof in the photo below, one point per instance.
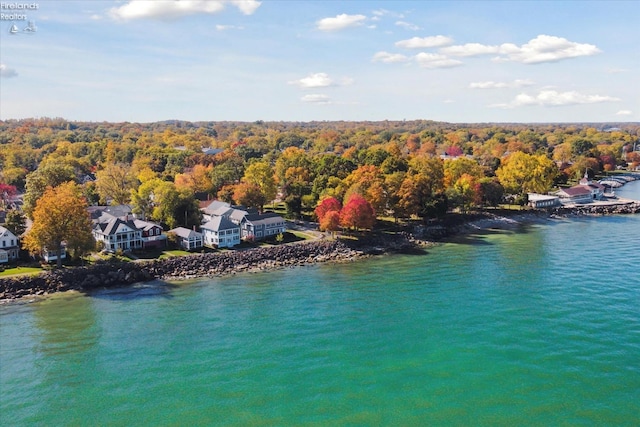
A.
x: 213, y: 206
x: 111, y: 227
x: 266, y: 218
x: 144, y: 225
x: 5, y: 232
x: 219, y: 223
x: 578, y: 190
x: 185, y: 233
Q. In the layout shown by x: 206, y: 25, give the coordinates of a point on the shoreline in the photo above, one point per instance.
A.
x: 121, y: 274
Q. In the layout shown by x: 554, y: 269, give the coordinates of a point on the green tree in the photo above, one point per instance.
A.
x: 15, y: 222
x: 115, y: 182
x: 60, y: 215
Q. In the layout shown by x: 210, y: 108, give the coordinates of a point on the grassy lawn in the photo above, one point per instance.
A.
x: 301, y: 235
x: 15, y: 271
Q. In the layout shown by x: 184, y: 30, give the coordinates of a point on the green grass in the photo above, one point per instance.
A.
x: 302, y: 235
x: 19, y: 271
x: 175, y: 252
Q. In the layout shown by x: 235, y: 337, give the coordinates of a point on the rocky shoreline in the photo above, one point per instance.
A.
x: 117, y: 274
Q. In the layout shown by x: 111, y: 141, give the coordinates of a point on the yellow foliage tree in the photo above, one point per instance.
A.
x: 60, y: 215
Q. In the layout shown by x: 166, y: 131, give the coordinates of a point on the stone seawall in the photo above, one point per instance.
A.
x: 114, y: 274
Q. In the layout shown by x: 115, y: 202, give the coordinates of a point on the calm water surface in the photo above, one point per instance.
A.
x: 535, y: 326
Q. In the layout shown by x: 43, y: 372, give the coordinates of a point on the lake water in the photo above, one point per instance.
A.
x: 534, y: 326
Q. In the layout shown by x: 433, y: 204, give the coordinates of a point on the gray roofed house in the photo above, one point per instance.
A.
x: 118, y: 234
x: 221, y: 232
x: 152, y: 236
x: 208, y: 209
x: 260, y: 226
x: 188, y: 239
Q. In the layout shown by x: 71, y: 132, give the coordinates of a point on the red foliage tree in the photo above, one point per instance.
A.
x: 329, y: 204
x: 357, y: 213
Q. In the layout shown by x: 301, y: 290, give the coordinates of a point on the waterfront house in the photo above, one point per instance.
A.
x: 117, y: 234
x: 9, y: 247
x: 220, y: 232
x: 541, y: 201
x: 188, y: 239
x: 52, y: 256
x: 575, y: 195
x: 596, y: 189
x: 261, y: 226
x: 152, y: 236
x: 209, y: 207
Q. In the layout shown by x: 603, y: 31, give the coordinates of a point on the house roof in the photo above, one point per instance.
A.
x: 111, y: 227
x: 144, y: 225
x: 105, y: 213
x: 222, y: 211
x: 213, y: 206
x: 219, y: 223
x: 185, y: 233
x: 4, y: 232
x: 266, y: 218
x: 578, y: 190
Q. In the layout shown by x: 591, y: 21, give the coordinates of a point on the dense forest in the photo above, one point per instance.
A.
x: 401, y: 169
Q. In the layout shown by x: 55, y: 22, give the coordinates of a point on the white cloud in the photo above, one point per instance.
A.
x: 228, y: 27
x: 320, y: 80
x: 340, y: 22
x: 6, y: 72
x: 470, y: 49
x: 389, y: 58
x: 543, y: 48
x: 407, y: 25
x: 547, y: 49
x: 435, y: 60
x: 313, y: 81
x: 624, y: 113
x: 316, y: 99
x: 501, y: 85
x: 173, y: 9
x: 552, y: 98
x: 425, y: 42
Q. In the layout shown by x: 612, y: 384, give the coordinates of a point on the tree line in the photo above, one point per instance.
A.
x: 400, y: 169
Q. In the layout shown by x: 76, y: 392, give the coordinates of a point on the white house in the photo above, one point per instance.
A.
x: 188, y: 239
x: 261, y: 226
x: 221, y: 233
x: 118, y: 234
x: 9, y: 246
x: 539, y: 201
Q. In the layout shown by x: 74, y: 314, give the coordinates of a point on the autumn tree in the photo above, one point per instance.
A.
x: 456, y: 168
x: 330, y: 222
x: 37, y: 182
x: 261, y: 175
x: 115, y: 182
x: 249, y: 195
x: 328, y: 204
x: 522, y: 173
x: 60, y: 215
x: 357, y: 213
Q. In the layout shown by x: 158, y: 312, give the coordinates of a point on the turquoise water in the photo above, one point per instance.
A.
x: 534, y: 326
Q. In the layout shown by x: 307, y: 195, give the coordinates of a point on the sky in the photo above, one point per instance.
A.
x: 295, y: 60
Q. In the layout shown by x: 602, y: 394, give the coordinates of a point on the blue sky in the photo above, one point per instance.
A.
x: 502, y: 61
